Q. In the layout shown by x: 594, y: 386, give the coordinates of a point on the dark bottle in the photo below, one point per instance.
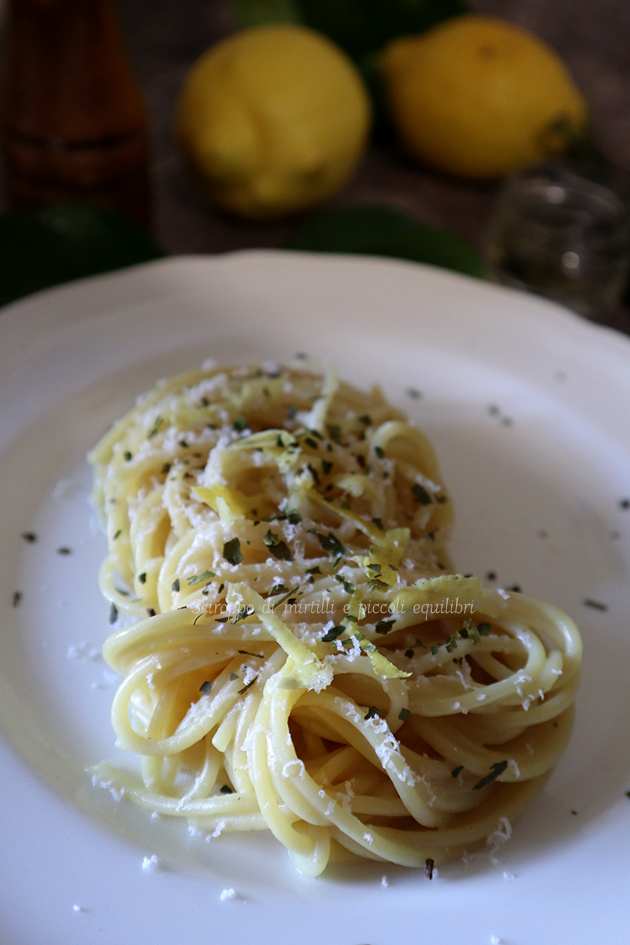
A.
x: 74, y: 126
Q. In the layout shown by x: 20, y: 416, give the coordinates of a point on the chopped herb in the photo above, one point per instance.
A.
x: 313, y: 472
x: 279, y: 549
x: 243, y: 613
x: 282, y: 599
x: 259, y: 656
x: 595, y: 604
x: 156, y: 426
x: 314, y: 445
x: 291, y: 412
x: 420, y: 494
x: 239, y: 424
x: 413, y: 393
x: 378, y: 523
x: 404, y: 714
x: 166, y: 468
x: 516, y: 588
x: 247, y: 686
x: 232, y: 551
x: 484, y: 629
x: 17, y: 597
x: 233, y: 676
x: 327, y: 465
x: 361, y: 461
x: 294, y: 517
x: 198, y: 578
x: 221, y: 619
x: 205, y: 687
x: 334, y: 432
x: 384, y: 626
x: 330, y: 543
x: 30, y: 537
x: 333, y: 633
x: 127, y: 456
x: 142, y: 578
x: 175, y: 586
x: 491, y: 576
x: 372, y: 712
x: 113, y: 613
x: 429, y: 867
x: 380, y: 452
x: 220, y: 588
x: 456, y: 771
x: 375, y: 584
x: 434, y: 650
x: 117, y: 534
x: 409, y: 654
x: 66, y: 551
x: 151, y: 612
x: 315, y: 570
x: 375, y: 567
x: 226, y: 789
x: 496, y: 770
x: 624, y: 504
x: 451, y: 643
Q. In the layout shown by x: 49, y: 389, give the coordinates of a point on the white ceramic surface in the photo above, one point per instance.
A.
x: 528, y: 408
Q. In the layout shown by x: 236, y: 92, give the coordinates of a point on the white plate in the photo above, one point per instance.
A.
x: 528, y: 408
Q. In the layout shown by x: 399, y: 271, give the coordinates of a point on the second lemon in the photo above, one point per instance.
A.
x: 477, y: 96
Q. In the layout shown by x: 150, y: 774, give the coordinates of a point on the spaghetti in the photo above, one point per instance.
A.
x: 305, y: 660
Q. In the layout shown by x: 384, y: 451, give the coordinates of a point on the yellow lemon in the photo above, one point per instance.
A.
x: 272, y: 120
x: 477, y: 97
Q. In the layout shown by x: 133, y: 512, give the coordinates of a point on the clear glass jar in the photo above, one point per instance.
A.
x: 562, y: 230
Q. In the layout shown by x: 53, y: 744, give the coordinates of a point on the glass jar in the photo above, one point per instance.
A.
x: 562, y: 230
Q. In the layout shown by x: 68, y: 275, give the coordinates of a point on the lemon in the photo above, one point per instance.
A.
x: 272, y: 120
x: 477, y: 97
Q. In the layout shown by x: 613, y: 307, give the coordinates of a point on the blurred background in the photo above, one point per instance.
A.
x: 164, y: 38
